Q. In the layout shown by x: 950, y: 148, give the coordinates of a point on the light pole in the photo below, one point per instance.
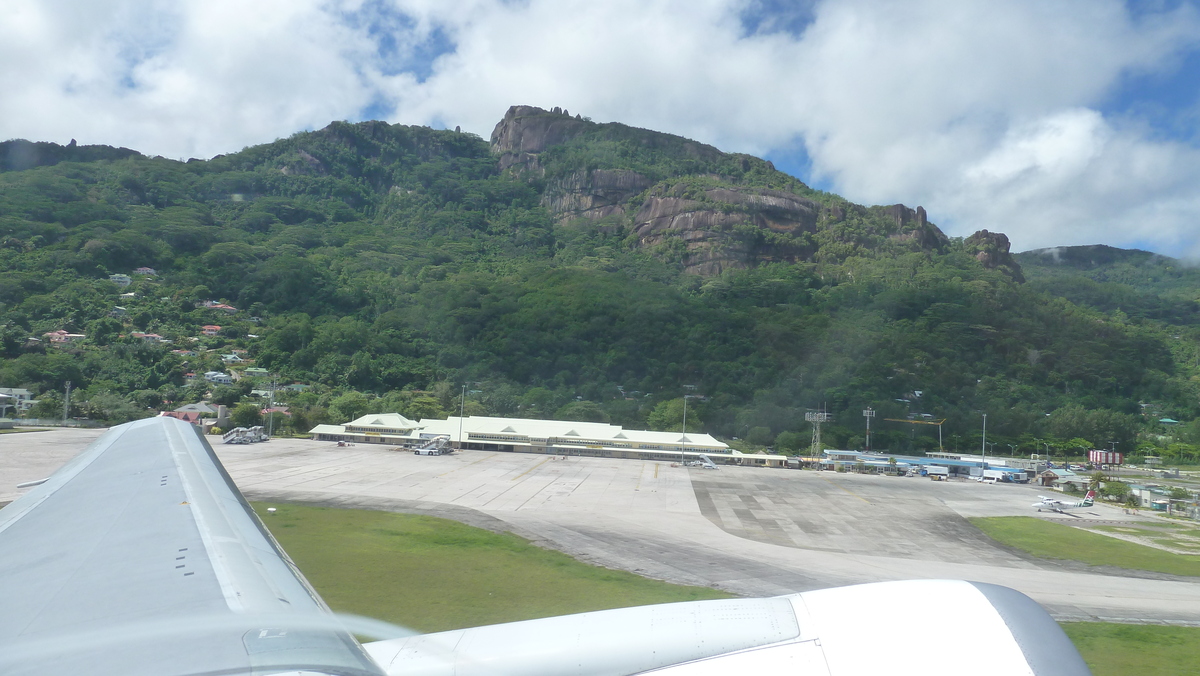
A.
x: 271, y: 408
x: 462, y: 407
x: 683, y: 440
x: 984, y: 441
x: 1012, y: 450
x: 869, y: 413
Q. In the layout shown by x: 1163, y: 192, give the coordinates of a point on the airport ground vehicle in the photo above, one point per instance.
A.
x: 439, y: 445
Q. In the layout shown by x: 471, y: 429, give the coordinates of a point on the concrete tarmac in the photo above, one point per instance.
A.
x: 751, y: 531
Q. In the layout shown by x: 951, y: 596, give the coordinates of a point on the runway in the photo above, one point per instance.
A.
x: 751, y: 531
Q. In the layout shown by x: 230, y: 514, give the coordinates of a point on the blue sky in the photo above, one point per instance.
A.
x: 1057, y: 122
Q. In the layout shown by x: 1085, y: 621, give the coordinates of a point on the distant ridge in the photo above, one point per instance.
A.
x: 19, y: 154
x: 1090, y: 256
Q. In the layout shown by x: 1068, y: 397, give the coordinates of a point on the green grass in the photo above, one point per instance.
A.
x: 433, y: 574
x: 1148, y: 527
x: 1056, y: 541
x: 1128, y: 649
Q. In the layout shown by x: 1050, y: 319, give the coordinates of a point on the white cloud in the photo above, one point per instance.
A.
x: 176, y: 78
x: 986, y: 113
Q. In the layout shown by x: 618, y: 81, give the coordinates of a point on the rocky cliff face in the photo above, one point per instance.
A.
x: 593, y: 194
x: 992, y: 249
x: 526, y: 131
x: 723, y: 228
x: 711, y: 225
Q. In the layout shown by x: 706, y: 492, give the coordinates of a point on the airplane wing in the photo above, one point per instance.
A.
x: 140, y: 557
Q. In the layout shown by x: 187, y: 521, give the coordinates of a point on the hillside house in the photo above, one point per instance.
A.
x: 218, y: 378
x: 61, y: 337
x: 121, y: 280
x: 149, y: 337
x: 148, y: 272
x: 210, y: 330
x: 223, y: 307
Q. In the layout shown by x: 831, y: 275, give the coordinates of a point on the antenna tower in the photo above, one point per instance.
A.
x: 816, y: 418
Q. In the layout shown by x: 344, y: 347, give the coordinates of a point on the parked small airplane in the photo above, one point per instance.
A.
x: 1056, y: 505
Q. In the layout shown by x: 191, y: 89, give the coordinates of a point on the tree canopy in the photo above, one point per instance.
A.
x: 387, y: 266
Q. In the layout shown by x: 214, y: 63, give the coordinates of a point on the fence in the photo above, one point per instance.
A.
x: 55, y: 422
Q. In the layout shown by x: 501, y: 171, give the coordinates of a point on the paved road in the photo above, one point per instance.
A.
x: 751, y: 531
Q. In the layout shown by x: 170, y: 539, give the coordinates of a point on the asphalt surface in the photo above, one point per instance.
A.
x: 751, y: 531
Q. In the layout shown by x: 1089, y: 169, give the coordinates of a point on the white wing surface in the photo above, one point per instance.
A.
x: 927, y: 627
x: 140, y: 556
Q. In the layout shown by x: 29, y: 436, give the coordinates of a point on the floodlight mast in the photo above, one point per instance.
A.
x: 984, y: 443
x: 683, y: 440
x: 869, y: 413
x: 462, y: 408
x: 271, y: 408
x: 816, y: 418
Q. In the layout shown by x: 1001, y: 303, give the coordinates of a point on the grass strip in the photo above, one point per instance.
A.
x: 1145, y: 650
x: 432, y: 574
x: 1056, y: 541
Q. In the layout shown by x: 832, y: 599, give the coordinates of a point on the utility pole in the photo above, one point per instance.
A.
x: 869, y: 413
x: 67, y: 404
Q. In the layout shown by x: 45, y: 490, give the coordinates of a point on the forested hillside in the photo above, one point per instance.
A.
x: 562, y: 269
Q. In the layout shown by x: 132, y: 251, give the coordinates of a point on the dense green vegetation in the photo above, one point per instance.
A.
x: 432, y: 574
x: 389, y: 266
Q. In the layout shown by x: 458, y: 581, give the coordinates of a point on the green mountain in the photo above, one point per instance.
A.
x: 562, y: 268
x: 1137, y: 283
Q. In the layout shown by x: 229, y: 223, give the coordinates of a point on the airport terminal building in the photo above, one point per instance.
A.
x: 550, y: 437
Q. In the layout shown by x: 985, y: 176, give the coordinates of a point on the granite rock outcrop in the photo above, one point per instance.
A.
x: 708, y: 222
x: 992, y: 249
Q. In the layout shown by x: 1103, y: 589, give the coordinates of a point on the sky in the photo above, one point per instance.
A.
x: 1057, y: 122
